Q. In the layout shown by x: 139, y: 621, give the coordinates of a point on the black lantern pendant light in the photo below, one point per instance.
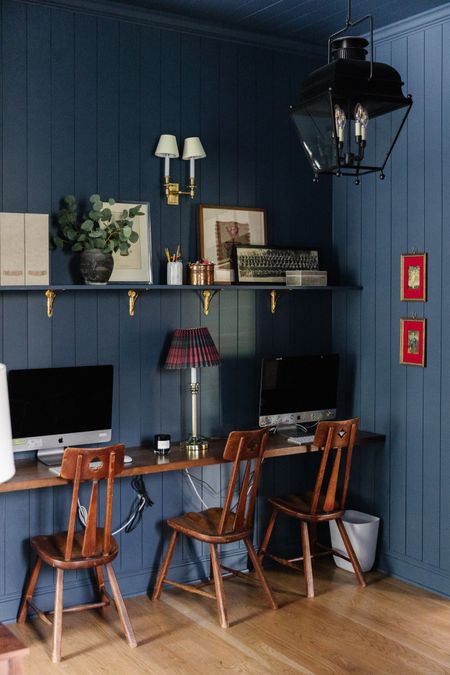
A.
x: 351, y: 111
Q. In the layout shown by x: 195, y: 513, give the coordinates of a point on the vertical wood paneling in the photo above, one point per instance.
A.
x: 397, y: 427
x: 416, y: 202
x: 408, y: 210
x: 63, y: 123
x: 433, y: 244
x: 39, y: 109
x: 14, y: 75
x: 85, y: 84
x: 83, y: 102
x: 108, y: 88
x: 444, y: 521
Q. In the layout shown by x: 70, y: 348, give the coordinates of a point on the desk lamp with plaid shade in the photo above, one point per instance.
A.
x: 193, y: 348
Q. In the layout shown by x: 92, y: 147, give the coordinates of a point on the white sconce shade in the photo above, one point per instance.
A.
x: 167, y: 146
x: 193, y: 148
x: 7, y: 468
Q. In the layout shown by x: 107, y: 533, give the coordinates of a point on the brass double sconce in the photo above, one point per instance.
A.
x: 168, y: 149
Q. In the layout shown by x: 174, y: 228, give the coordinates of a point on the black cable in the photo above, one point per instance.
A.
x: 141, y: 502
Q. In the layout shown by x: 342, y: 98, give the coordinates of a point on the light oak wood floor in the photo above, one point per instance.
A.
x: 389, y: 627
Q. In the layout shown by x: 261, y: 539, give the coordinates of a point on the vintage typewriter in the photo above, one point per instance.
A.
x: 261, y: 264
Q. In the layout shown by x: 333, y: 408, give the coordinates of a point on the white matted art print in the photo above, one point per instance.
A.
x: 220, y: 228
x: 137, y: 265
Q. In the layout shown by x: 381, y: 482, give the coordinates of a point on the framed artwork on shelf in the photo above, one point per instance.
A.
x: 137, y: 265
x: 268, y: 265
x: 413, y: 277
x: 221, y: 229
x: 413, y: 342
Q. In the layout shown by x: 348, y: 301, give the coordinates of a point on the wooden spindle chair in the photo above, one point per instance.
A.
x: 92, y: 548
x: 326, y: 502
x: 225, y: 525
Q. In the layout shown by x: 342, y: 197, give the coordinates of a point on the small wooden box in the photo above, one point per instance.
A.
x: 306, y: 278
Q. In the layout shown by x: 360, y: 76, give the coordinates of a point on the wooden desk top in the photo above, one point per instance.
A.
x: 31, y: 474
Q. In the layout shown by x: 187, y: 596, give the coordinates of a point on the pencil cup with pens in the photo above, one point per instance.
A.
x: 174, y: 268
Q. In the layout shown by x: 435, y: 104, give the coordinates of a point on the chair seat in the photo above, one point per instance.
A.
x: 299, y: 506
x: 51, y: 549
x: 204, y: 525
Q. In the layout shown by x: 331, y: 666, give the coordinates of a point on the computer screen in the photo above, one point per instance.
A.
x: 52, y: 408
x: 298, y: 389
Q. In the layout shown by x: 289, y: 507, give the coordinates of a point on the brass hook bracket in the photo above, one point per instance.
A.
x: 274, y: 297
x: 50, y: 295
x: 207, y: 296
x: 133, y: 295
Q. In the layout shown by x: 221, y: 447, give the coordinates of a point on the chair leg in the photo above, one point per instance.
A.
x: 165, y: 566
x: 57, y: 617
x: 98, y: 572
x: 351, y: 553
x: 120, y: 606
x: 268, y: 534
x: 307, y: 565
x: 28, y: 594
x: 218, y: 584
x: 259, y: 573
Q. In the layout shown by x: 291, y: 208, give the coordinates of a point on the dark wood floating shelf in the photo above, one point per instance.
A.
x: 185, y: 287
x: 206, y: 293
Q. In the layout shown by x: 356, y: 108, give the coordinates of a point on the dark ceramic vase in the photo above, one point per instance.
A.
x: 96, y: 266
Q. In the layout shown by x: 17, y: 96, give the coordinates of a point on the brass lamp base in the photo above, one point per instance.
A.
x: 195, y: 446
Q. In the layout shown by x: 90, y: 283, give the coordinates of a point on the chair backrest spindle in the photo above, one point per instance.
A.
x: 333, y: 438
x: 91, y: 464
x: 248, y: 447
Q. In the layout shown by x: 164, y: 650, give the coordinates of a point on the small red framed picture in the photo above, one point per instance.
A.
x: 412, y: 342
x: 413, y: 276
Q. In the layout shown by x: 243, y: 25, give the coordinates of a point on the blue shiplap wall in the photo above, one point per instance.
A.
x: 407, y: 483
x: 84, y: 99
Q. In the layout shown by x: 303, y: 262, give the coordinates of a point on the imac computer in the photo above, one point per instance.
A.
x: 298, y: 390
x: 52, y: 408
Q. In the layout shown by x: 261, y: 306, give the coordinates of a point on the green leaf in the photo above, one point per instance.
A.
x: 106, y: 214
x: 95, y: 198
x: 123, y: 248
x: 77, y: 247
x: 100, y: 243
x: 95, y: 215
x: 87, y: 225
x: 134, y: 236
x: 59, y: 243
x: 111, y: 201
x: 70, y: 200
x: 97, y: 234
x: 135, y: 211
x: 70, y: 233
x: 127, y: 231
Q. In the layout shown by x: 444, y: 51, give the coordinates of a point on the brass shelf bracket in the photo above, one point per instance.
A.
x: 274, y: 297
x: 50, y: 295
x: 207, y: 296
x: 133, y: 295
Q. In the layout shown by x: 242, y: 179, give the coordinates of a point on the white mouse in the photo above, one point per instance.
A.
x: 127, y: 459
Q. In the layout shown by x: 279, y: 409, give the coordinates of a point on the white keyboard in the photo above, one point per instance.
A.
x: 301, y: 440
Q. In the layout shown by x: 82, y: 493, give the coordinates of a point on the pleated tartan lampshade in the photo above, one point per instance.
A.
x: 192, y: 348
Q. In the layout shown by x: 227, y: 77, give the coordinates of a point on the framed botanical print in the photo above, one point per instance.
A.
x: 137, y: 265
x: 413, y: 277
x: 221, y: 229
x: 412, y: 342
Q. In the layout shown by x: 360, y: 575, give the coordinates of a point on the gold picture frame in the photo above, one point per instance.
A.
x: 221, y: 228
x: 413, y: 277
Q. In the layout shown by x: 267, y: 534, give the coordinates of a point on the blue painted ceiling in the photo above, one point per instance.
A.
x: 307, y: 20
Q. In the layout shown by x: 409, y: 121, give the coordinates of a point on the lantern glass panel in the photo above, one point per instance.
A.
x: 315, y: 127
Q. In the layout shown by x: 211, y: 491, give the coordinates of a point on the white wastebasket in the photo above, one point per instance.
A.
x: 362, y: 530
